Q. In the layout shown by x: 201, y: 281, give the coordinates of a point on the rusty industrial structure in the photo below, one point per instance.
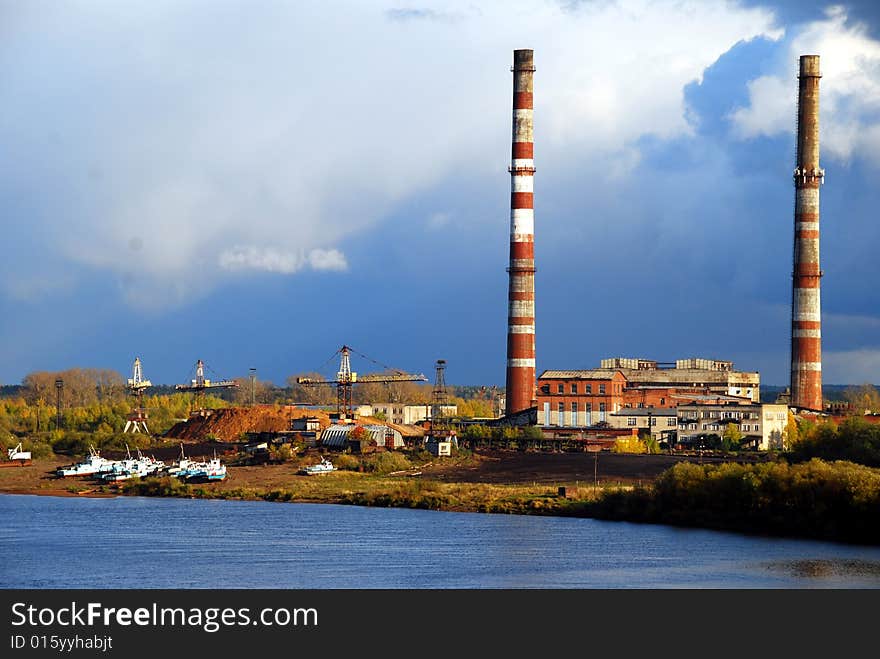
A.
x: 806, y: 332
x: 346, y: 378
x: 521, y: 289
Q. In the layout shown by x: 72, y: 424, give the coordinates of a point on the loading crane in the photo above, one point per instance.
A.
x: 200, y: 384
x: 346, y: 378
x: 137, y: 385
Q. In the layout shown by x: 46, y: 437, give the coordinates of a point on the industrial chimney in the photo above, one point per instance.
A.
x: 521, y: 291
x: 806, y: 333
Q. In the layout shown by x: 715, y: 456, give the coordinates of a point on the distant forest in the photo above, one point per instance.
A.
x: 769, y: 392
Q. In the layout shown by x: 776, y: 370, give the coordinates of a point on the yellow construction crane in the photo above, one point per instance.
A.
x: 200, y: 383
x: 345, y: 378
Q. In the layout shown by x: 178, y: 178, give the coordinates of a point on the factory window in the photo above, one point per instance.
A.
x: 560, y: 388
x: 601, y: 388
x: 631, y: 421
x: 574, y: 388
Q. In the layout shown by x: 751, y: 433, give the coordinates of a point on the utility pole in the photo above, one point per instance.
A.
x: 59, y: 386
x: 253, y: 386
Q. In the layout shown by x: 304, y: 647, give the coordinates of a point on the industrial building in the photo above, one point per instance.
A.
x: 579, y: 398
x: 337, y: 436
x: 403, y: 414
x: 639, y: 393
x: 661, y: 422
x: 649, y: 381
x: 763, y: 426
x: 583, y: 398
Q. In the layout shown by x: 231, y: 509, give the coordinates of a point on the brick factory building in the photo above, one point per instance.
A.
x: 584, y: 398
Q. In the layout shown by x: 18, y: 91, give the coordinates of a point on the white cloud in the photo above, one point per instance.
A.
x: 327, y: 259
x: 272, y: 260
x: 771, y: 109
x: 851, y: 366
x: 849, y: 90
x: 204, y: 137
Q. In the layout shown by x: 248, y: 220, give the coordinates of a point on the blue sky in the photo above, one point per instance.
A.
x: 256, y: 184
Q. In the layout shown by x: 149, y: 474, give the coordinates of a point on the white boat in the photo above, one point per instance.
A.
x: 93, y: 464
x: 210, y: 470
x: 322, y: 467
x: 18, y: 454
x: 128, y: 468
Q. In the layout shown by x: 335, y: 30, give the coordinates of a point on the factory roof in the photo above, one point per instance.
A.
x: 581, y: 374
x: 646, y: 411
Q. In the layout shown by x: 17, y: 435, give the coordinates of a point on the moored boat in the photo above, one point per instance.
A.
x: 92, y: 465
x: 210, y: 470
x: 323, y: 467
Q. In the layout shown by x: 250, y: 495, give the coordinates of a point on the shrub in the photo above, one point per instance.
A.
x: 628, y: 445
x: 386, y: 462
x: 348, y: 462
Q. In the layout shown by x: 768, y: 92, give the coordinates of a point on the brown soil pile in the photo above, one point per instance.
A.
x: 229, y: 423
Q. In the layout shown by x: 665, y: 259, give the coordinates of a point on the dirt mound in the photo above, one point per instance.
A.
x: 230, y: 423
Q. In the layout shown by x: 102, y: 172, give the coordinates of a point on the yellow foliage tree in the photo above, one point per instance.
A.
x: 629, y: 445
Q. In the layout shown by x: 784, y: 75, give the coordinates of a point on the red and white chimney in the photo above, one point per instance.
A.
x: 806, y: 320
x: 520, y: 393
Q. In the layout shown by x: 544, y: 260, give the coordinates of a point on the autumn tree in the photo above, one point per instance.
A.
x: 864, y: 399
x: 318, y: 394
x: 791, y: 435
x: 731, y: 437
x: 263, y: 391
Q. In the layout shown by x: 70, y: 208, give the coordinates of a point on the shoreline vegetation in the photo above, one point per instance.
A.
x: 821, y: 500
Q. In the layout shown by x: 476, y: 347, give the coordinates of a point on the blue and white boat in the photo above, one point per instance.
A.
x: 180, y: 466
x: 210, y: 470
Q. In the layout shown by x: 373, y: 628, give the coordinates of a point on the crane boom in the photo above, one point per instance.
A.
x: 345, y: 378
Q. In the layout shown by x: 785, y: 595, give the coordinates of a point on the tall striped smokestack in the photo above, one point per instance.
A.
x: 806, y: 327
x: 521, y: 292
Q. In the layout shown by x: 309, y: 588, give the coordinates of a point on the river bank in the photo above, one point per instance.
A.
x: 837, y: 501
x: 428, y: 487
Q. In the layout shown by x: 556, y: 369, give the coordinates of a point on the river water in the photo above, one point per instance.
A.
x: 133, y: 542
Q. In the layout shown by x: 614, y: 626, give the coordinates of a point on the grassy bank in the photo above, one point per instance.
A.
x: 381, y: 491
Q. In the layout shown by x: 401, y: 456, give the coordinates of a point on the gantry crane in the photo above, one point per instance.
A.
x: 346, y: 378
x: 137, y: 385
x: 200, y: 383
